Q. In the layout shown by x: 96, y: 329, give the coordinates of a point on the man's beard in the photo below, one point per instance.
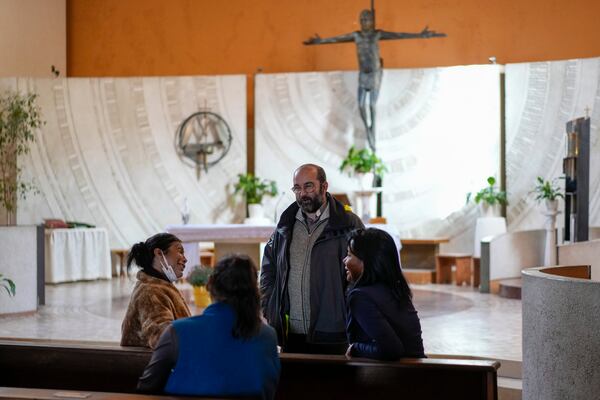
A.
x: 310, y: 204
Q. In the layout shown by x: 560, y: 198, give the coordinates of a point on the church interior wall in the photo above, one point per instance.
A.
x: 107, y: 155
x: 433, y: 126
x: 540, y: 98
x: 150, y: 38
x: 154, y: 38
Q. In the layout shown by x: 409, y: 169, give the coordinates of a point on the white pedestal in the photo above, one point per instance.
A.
x: 487, y: 226
x: 363, y: 199
x: 550, y: 246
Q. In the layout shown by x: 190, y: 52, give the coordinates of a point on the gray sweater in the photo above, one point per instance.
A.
x: 304, y: 237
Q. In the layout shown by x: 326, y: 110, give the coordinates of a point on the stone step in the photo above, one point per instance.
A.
x: 510, y: 388
x: 510, y: 288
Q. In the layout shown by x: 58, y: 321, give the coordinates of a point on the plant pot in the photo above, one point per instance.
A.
x: 201, y: 297
x: 256, y: 211
x: 365, y: 180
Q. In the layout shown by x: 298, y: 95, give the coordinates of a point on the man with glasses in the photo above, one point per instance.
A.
x: 302, y: 277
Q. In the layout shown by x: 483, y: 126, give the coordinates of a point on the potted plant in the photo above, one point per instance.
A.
x: 489, y: 197
x: 198, y: 278
x: 19, y: 118
x: 364, y: 164
x: 254, y: 189
x: 8, y: 284
x: 547, y: 191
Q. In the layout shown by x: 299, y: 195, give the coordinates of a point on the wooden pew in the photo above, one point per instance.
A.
x: 53, y: 394
x: 84, y: 366
x: 325, y: 377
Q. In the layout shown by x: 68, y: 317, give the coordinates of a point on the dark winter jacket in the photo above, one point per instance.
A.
x: 327, y: 275
x: 381, y: 326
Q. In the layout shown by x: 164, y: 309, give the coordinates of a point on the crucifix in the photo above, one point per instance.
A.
x: 369, y: 62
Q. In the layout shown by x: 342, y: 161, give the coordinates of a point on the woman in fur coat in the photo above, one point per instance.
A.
x: 155, y: 302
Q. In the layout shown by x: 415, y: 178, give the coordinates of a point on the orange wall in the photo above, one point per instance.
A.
x: 181, y: 37
x: 176, y: 37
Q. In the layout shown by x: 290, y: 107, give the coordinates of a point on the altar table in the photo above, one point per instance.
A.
x: 77, y: 254
x: 228, y: 238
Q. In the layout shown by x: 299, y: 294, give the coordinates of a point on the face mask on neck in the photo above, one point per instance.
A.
x: 167, y: 269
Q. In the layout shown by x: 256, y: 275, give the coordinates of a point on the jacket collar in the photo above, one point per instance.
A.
x: 337, y: 215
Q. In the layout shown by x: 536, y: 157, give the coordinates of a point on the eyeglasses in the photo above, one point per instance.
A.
x: 308, y: 187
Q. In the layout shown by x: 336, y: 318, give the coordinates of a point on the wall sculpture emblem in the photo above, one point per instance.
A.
x: 203, y: 139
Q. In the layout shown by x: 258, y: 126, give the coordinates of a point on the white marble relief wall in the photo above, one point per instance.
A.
x: 107, y: 156
x: 541, y: 98
x: 438, y: 131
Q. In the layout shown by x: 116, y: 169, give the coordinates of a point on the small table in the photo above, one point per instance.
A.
x: 121, y: 255
x: 420, y: 253
x: 443, y: 268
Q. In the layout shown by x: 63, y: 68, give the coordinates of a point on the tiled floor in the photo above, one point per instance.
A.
x: 455, y: 320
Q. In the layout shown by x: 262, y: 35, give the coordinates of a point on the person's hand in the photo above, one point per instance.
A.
x: 426, y: 33
x: 349, y: 352
x: 313, y: 40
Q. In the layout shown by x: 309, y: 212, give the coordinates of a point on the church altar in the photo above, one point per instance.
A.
x: 228, y: 238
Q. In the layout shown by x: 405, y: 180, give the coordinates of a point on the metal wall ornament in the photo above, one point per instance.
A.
x: 202, y: 140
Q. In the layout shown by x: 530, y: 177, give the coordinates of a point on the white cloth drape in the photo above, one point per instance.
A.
x: 77, y: 254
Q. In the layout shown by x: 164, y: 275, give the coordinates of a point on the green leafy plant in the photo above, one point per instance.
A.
x: 19, y: 118
x: 489, y: 195
x: 199, y: 275
x: 362, y: 161
x: 254, y: 188
x: 546, y: 190
x: 9, y: 285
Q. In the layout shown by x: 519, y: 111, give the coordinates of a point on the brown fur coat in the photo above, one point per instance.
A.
x: 154, y: 304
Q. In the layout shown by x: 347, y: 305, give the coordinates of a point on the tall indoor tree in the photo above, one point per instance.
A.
x: 20, y: 117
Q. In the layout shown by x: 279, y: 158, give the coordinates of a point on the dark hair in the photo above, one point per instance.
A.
x: 142, y: 253
x: 321, y: 176
x: 379, y: 254
x: 234, y: 281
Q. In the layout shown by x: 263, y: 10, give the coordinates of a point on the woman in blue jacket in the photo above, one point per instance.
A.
x: 226, y: 351
x: 382, y: 321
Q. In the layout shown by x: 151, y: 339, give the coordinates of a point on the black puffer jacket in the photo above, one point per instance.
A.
x: 327, y: 275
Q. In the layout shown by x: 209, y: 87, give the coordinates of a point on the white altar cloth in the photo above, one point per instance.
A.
x: 242, y: 233
x: 228, y: 238
x: 77, y: 254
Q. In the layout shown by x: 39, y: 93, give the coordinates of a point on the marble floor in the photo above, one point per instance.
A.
x: 455, y: 320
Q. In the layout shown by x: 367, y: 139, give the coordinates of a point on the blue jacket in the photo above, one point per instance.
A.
x: 380, y: 326
x: 211, y: 362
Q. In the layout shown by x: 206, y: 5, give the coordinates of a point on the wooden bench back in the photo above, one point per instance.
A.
x: 53, y: 394
x: 80, y: 366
